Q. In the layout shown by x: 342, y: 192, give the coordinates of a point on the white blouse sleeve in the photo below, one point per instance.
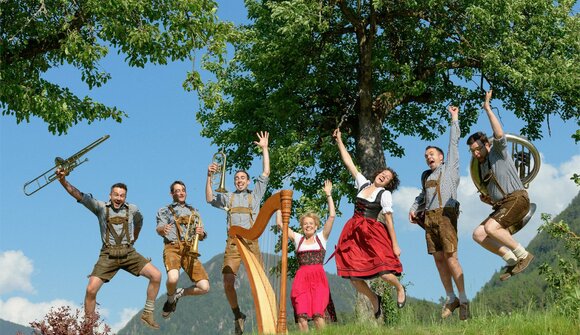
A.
x: 297, y: 237
x: 387, y: 202
x: 359, y: 181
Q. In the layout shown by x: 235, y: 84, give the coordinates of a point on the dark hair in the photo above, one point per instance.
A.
x: 436, y: 148
x: 177, y: 182
x: 393, y: 184
x: 243, y: 171
x: 479, y: 136
x: 119, y: 185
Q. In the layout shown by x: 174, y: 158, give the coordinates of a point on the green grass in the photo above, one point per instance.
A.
x: 482, y: 323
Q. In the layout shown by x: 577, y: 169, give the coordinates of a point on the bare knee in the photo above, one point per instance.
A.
x: 172, y: 277
x: 479, y: 234
x: 203, y: 286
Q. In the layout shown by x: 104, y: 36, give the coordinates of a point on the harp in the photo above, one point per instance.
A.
x: 270, y: 312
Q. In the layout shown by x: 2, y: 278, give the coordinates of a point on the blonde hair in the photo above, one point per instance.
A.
x: 311, y: 215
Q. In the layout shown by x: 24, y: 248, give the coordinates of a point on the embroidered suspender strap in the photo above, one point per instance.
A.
x: 438, y: 189
x: 240, y: 210
x: 492, y: 176
x: 111, y: 230
x: 177, y: 225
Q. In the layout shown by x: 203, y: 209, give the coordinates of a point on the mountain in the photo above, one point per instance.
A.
x: 10, y: 328
x: 211, y: 314
x: 528, y: 289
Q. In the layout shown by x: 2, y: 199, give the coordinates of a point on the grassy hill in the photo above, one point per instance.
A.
x: 528, y: 289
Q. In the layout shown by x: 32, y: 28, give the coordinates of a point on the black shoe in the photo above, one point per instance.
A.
x: 380, y: 310
x: 402, y: 304
x: 170, y: 307
x: 239, y: 324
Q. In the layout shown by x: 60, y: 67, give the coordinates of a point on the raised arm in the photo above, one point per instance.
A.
x: 280, y: 224
x: 346, y: 159
x: 331, y: 210
x: 211, y: 169
x: 263, y: 143
x: 495, y: 124
x: 73, y: 191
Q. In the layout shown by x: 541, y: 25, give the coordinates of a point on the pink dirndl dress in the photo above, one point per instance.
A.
x: 310, y: 294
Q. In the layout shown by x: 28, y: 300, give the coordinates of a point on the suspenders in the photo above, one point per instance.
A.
x: 111, y: 230
x: 240, y: 210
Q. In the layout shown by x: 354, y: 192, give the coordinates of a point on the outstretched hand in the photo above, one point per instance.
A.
x: 263, y: 139
x: 486, y: 104
x: 454, y: 111
x: 337, y: 135
x: 327, y: 187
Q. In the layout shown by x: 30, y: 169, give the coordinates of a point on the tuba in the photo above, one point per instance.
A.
x: 219, y: 158
x: 526, y: 158
x: 191, y: 238
x: 527, y: 161
x: 68, y: 164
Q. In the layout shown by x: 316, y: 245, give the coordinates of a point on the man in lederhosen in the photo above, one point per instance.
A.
x: 174, y: 223
x: 242, y: 207
x: 506, y: 194
x: 120, y: 224
x: 438, y: 200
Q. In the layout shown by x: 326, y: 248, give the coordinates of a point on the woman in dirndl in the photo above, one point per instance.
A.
x: 310, y: 294
x: 368, y: 248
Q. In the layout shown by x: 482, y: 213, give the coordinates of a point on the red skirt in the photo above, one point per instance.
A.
x: 310, y: 291
x: 365, y: 250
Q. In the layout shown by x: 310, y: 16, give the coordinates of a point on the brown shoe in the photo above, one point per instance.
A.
x: 449, y: 307
x: 522, y: 264
x: 149, y: 320
x: 507, y: 273
x: 464, y: 311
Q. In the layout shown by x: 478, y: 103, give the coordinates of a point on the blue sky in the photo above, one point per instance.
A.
x: 49, y: 243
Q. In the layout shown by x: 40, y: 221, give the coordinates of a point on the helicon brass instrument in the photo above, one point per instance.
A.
x: 219, y: 158
x: 526, y: 158
x: 191, y: 238
x: 68, y: 164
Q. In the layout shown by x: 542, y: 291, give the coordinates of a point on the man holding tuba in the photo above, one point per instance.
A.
x: 180, y: 225
x: 505, y: 193
x: 242, y: 207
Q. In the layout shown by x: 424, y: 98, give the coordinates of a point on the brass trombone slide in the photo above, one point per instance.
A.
x: 68, y: 164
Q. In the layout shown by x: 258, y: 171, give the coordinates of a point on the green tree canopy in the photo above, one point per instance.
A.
x: 37, y: 35
x: 382, y: 69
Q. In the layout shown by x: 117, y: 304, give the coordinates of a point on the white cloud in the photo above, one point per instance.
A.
x: 16, y: 271
x: 22, y: 311
x: 125, y: 316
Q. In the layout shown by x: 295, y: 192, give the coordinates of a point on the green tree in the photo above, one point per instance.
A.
x: 37, y: 35
x: 382, y: 69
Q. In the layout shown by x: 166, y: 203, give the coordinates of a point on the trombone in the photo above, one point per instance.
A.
x: 219, y: 158
x: 68, y: 164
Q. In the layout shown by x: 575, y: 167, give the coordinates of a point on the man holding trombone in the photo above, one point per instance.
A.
x: 120, y: 224
x: 242, y: 207
x: 180, y: 225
